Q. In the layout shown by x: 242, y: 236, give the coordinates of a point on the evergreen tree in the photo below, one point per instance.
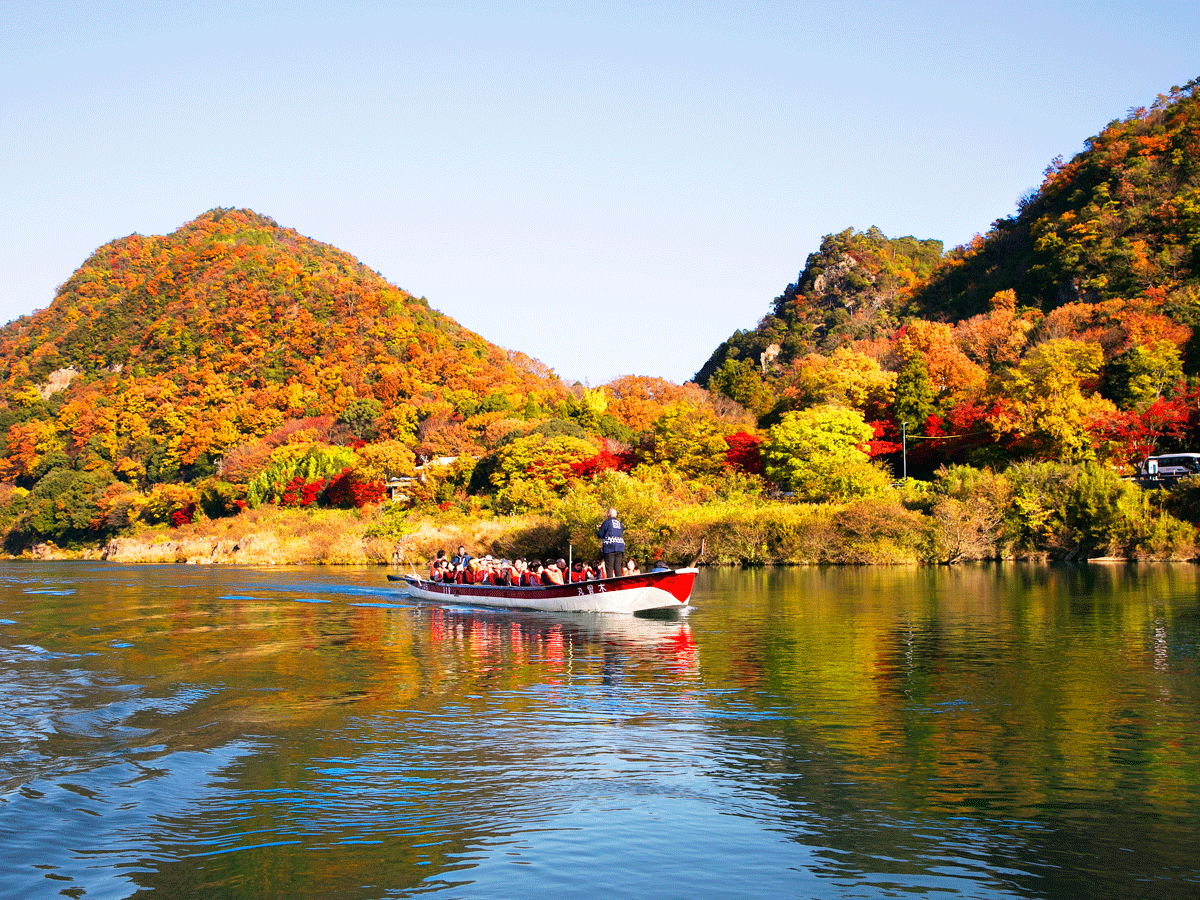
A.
x: 915, y: 399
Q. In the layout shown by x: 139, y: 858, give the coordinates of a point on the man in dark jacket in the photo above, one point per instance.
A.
x: 612, y: 544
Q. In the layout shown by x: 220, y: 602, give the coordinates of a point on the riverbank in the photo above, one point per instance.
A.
x: 762, y: 532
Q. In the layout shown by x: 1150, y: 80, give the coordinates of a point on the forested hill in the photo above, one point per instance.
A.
x: 162, y: 352
x: 856, y: 286
x: 1114, y: 231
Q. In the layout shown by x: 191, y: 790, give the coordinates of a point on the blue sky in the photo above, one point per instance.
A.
x: 613, y: 188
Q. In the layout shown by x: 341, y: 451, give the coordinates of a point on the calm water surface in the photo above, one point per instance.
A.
x: 232, y: 732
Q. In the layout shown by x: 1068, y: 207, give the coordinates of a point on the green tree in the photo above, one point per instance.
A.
x: 740, y: 380
x: 65, y: 505
x: 1141, y: 374
x: 689, y: 439
x: 360, y: 417
x: 819, y: 453
x: 915, y: 400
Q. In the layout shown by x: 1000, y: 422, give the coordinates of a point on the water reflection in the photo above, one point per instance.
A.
x: 1013, y: 718
x: 987, y: 732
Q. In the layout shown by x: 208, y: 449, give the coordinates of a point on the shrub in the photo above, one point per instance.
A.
x: 871, y: 531
x: 965, y: 529
x: 66, y: 506
x: 166, y: 499
x: 219, y: 499
x: 348, y: 490
x: 308, y: 462
x: 1086, y: 510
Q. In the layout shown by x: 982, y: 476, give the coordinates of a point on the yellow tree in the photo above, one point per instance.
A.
x: 1056, y: 401
x: 845, y: 378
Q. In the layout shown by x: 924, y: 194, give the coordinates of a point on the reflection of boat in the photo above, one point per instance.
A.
x: 660, y: 589
x: 560, y: 636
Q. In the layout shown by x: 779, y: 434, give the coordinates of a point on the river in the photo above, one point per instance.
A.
x: 980, y: 731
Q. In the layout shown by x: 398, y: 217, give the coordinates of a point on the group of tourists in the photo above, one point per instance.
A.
x: 465, y: 569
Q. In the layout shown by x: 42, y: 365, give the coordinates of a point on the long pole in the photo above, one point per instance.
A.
x: 904, y: 449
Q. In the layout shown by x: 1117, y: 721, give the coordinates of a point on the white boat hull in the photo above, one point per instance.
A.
x: 667, y: 589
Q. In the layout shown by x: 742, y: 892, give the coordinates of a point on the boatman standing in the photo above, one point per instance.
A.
x: 612, y: 544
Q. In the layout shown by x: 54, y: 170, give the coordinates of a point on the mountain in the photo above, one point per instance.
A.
x: 160, y: 353
x: 852, y: 288
x: 1117, y: 227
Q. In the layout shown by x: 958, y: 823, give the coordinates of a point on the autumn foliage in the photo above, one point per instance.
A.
x: 235, y: 363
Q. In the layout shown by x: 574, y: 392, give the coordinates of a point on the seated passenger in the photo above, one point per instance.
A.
x: 436, y: 565
x: 631, y: 568
x: 554, y: 572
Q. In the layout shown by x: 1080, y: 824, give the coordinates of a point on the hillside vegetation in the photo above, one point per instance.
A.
x: 1066, y: 332
x: 234, y: 365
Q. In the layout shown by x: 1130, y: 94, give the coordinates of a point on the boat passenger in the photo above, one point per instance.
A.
x: 554, y: 572
x: 461, y: 560
x: 580, y: 572
x: 532, y: 577
x: 631, y: 568
x: 660, y: 564
x: 495, y: 572
x: 437, y: 566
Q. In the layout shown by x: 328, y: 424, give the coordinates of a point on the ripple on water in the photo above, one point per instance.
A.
x: 838, y: 745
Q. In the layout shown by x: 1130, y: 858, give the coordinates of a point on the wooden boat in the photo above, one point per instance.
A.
x: 657, y: 590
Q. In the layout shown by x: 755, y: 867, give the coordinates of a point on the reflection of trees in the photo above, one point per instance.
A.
x: 1001, y: 710
x: 330, y: 749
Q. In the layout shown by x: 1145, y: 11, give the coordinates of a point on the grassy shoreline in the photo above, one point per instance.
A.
x: 734, y: 533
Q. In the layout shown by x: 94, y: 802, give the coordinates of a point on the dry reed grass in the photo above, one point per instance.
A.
x: 263, y: 537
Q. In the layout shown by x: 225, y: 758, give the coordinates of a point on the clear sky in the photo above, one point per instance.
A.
x: 613, y: 188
